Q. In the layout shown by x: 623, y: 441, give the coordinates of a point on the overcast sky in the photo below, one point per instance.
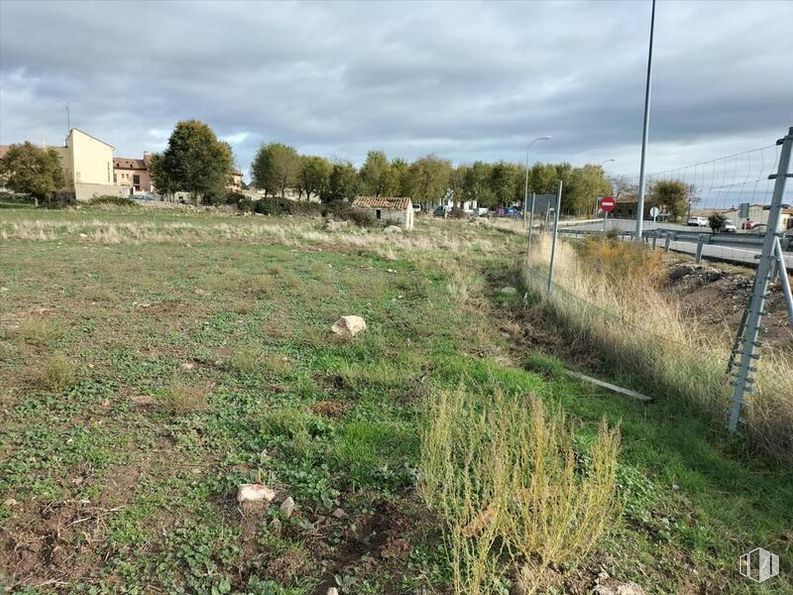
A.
x: 465, y: 81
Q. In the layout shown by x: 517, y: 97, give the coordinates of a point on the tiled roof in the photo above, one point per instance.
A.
x: 126, y: 163
x: 4, y: 150
x: 383, y: 202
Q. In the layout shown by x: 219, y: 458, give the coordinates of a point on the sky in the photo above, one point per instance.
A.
x: 465, y: 81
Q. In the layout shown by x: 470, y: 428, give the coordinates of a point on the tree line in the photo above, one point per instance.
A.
x: 196, y: 161
x: 278, y: 167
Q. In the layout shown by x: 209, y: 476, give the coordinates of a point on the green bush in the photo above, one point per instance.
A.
x: 274, y: 205
x: 345, y: 212
x: 118, y: 201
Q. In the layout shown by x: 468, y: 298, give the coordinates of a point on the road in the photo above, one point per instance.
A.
x: 737, y: 254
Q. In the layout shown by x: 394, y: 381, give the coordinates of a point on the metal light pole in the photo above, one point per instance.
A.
x: 645, y: 130
x: 526, y: 188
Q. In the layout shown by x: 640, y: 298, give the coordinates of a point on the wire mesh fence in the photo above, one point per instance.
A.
x: 668, y: 324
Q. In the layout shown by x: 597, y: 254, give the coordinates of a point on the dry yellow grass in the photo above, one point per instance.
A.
x: 514, y: 492
x: 643, y: 332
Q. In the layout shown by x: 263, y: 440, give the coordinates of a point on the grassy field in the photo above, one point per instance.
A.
x: 151, y: 361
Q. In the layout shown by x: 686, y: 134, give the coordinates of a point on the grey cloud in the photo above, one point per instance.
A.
x: 466, y: 81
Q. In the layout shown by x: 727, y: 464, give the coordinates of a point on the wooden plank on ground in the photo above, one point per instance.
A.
x: 612, y: 387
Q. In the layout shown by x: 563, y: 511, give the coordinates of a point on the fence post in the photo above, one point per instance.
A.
x: 655, y: 239
x: 531, y: 221
x: 555, y: 234
x: 700, y: 245
x: 747, y: 339
x: 785, y: 282
x: 668, y: 241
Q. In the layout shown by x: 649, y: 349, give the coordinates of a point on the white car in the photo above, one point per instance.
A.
x: 698, y: 222
x: 728, y: 227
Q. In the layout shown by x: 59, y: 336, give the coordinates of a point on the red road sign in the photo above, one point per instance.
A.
x: 607, y: 204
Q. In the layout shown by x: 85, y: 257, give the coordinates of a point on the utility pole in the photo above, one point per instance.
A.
x: 645, y: 131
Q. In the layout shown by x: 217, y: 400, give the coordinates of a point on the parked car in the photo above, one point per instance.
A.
x: 417, y: 208
x: 749, y: 225
x: 439, y: 211
x: 512, y: 212
x: 698, y: 222
x: 728, y: 227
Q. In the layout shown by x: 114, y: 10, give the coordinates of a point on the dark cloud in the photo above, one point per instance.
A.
x: 465, y: 81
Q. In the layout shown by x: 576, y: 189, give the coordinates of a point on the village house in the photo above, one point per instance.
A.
x: 389, y: 209
x: 133, y: 174
x: 88, y: 166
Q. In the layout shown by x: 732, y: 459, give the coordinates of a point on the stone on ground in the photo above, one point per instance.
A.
x: 392, y: 229
x: 348, y: 326
x: 254, y: 492
x: 508, y: 291
x: 288, y: 507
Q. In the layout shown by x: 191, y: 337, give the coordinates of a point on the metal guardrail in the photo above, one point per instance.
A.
x: 694, y: 237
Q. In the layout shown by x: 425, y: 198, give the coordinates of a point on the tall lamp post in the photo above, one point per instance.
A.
x: 645, y: 131
x: 526, y: 187
x: 601, y: 164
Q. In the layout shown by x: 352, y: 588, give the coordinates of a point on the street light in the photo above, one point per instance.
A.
x: 526, y: 188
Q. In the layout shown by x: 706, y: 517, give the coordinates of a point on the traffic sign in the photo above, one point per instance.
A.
x: 607, y: 204
x: 654, y: 212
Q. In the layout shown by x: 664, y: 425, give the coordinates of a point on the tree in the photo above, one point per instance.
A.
x: 503, y: 181
x: 543, y: 178
x: 716, y: 222
x: 584, y: 186
x: 672, y: 194
x: 195, y: 161
x: 27, y: 169
x: 376, y: 179
x: 275, y: 168
x: 343, y: 182
x: 429, y: 178
x: 314, y: 175
x: 476, y: 185
x: 401, y: 182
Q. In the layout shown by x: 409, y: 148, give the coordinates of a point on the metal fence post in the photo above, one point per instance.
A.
x: 747, y: 339
x: 531, y: 220
x: 784, y: 281
x: 555, y: 234
x: 700, y: 245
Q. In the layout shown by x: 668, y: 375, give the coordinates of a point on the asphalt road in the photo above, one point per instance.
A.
x: 737, y: 254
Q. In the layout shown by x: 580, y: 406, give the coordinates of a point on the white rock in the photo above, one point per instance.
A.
x: 508, y: 291
x: 287, y: 507
x: 9, y: 502
x: 392, y: 229
x: 254, y: 492
x: 332, y: 591
x: 339, y: 514
x: 348, y: 326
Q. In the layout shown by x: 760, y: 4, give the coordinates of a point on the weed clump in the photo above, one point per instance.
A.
x: 511, y: 483
x: 181, y: 399
x: 57, y: 374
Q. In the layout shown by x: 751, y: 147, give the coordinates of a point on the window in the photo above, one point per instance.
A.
x: 379, y: 214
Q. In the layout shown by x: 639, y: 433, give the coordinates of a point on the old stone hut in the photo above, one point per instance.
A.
x: 389, y: 209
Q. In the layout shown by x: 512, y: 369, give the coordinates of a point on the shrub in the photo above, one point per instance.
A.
x: 512, y: 485
x: 179, y: 398
x: 57, y: 374
x: 716, y: 222
x: 277, y: 206
x: 622, y: 262
x: 117, y: 201
x: 345, y: 212
x: 457, y: 213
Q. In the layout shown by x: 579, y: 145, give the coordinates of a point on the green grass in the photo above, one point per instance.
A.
x: 229, y: 339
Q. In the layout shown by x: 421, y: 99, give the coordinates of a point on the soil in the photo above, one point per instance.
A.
x: 716, y: 298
